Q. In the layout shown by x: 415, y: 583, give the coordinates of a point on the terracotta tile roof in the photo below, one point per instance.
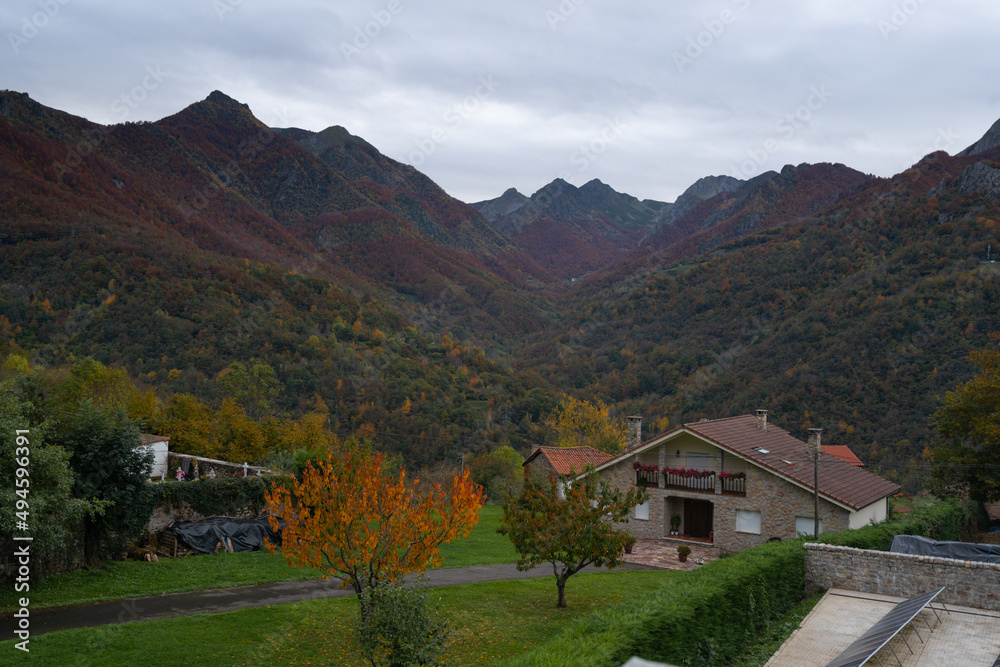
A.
x: 568, y: 460
x: 844, y: 453
x: 786, y: 456
x: 148, y: 439
x: 789, y: 457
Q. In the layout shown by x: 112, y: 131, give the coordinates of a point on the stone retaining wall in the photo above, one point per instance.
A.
x: 966, y: 583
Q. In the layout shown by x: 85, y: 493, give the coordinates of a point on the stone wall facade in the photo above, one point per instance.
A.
x: 966, y: 583
x: 778, y: 501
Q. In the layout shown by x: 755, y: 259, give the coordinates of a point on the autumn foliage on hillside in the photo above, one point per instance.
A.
x: 856, y: 320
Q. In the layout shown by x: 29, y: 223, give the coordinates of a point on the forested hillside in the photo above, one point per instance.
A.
x: 172, y: 250
x: 857, y: 319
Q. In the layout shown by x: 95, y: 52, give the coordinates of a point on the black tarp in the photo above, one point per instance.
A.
x: 924, y: 546
x: 241, y: 534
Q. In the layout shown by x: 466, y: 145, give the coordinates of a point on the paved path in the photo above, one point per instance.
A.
x: 663, y: 554
x: 219, y: 600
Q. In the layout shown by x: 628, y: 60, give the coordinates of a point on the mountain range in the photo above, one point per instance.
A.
x: 172, y: 248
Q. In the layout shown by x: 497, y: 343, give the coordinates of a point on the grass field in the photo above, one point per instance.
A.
x: 489, y: 622
x: 118, y: 580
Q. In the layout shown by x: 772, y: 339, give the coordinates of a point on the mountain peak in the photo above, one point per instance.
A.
x: 989, y: 140
x: 221, y: 107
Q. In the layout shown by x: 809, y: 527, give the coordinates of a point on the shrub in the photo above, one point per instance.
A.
x: 221, y: 497
x: 400, y: 628
x: 703, y: 618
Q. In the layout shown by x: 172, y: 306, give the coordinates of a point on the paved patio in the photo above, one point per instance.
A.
x: 663, y: 554
x: 965, y: 637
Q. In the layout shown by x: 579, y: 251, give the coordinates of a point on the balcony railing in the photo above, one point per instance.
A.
x: 734, y: 484
x: 689, y: 479
x: 646, y: 477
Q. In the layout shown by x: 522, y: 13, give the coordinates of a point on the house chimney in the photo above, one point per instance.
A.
x: 762, y: 420
x: 633, y: 437
x: 814, y: 442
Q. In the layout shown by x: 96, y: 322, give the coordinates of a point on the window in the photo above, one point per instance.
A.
x: 747, y: 522
x: 642, y: 511
x: 806, y: 525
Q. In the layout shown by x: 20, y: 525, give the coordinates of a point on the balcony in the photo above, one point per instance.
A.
x: 734, y: 483
x: 691, y: 479
x: 646, y: 475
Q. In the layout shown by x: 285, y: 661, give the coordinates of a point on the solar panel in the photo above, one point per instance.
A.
x: 872, y: 641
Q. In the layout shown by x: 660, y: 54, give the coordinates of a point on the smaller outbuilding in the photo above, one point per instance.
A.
x: 159, y: 447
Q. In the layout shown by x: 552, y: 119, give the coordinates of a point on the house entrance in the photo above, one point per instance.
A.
x: 698, y: 517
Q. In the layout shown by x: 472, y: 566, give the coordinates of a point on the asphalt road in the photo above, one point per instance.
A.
x: 219, y: 600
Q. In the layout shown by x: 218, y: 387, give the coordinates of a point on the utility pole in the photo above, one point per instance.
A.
x: 814, y: 448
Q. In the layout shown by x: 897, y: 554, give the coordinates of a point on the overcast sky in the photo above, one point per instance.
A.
x: 647, y: 96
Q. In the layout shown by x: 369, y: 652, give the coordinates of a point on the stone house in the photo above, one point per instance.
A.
x: 738, y: 482
x: 556, y: 461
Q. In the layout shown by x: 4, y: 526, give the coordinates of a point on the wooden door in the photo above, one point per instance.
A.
x: 697, y: 517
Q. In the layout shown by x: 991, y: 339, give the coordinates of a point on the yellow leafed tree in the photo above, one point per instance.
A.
x: 581, y: 423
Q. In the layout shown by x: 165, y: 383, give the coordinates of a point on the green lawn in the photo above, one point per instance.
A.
x: 117, y: 580
x: 483, y: 546
x: 489, y: 622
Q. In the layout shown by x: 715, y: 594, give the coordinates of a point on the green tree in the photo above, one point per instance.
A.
x: 47, y: 490
x: 108, y: 468
x: 966, y: 453
x: 570, y: 533
x: 499, y: 473
x: 254, y: 386
x: 106, y: 388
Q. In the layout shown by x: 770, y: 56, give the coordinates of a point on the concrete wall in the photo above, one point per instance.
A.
x: 966, y: 583
x: 777, y: 500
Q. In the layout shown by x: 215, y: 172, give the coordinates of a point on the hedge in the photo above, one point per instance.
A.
x: 217, y: 497
x: 703, y: 618
x: 708, y: 616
